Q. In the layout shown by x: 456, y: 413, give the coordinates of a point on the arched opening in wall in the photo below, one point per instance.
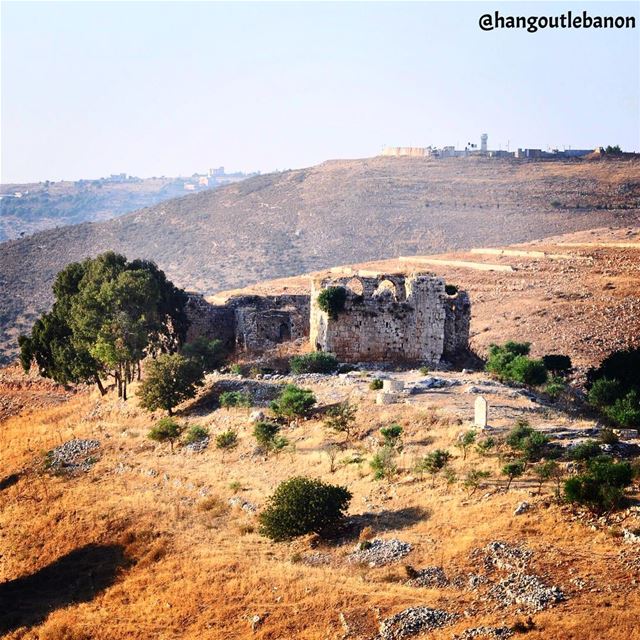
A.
x: 355, y: 287
x: 284, y: 332
x: 386, y: 290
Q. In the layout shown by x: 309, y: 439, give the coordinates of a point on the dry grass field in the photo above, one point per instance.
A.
x: 146, y: 545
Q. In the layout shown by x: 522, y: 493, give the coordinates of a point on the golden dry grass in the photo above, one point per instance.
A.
x: 196, y: 567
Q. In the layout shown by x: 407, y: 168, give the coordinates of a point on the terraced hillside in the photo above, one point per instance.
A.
x: 339, y: 212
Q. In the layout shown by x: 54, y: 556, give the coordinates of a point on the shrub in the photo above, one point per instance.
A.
x: 316, y: 362
x: 209, y: 354
x: 265, y: 433
x: 166, y: 430
x: 584, y: 451
x: 625, y: 411
x: 622, y: 366
x: 293, y: 402
x: 384, y: 464
x: 424, y: 371
x: 331, y: 300
x: 511, y: 362
x: 604, y: 392
x: 485, y: 446
x: 555, y: 387
x: 230, y: 399
x: 546, y: 471
x: 341, y: 418
x: 195, y: 433
x: 376, y: 384
x: 433, y: 463
x: 227, y: 439
x: 392, y: 436
x: 607, y: 436
x: 601, y: 487
x: 521, y: 431
x: 534, y: 446
x: 474, y: 479
x: 527, y: 371
x: 237, y: 369
x: 302, y: 505
x: 170, y: 379
x: 465, y: 441
x: 513, y: 470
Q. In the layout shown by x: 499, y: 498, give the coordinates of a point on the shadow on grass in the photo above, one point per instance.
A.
x: 382, y: 521
x: 9, y: 481
x: 76, y: 577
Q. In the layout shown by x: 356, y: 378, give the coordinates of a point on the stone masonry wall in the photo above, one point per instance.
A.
x: 391, y: 318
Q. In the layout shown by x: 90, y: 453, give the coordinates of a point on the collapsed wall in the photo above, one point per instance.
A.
x: 391, y: 318
x: 249, y: 323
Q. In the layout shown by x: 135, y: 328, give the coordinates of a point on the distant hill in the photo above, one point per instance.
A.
x: 339, y: 212
x: 28, y: 208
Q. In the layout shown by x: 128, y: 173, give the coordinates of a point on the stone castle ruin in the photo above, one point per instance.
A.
x: 385, y: 318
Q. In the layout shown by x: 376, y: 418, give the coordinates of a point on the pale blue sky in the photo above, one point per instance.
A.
x: 156, y: 88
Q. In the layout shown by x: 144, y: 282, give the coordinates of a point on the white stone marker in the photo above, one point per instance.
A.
x: 480, y: 418
x: 392, y: 385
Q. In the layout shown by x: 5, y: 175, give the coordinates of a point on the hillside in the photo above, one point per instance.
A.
x: 336, y: 213
x: 137, y: 542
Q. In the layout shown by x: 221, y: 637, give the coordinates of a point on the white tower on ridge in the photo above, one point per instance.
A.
x: 483, y: 143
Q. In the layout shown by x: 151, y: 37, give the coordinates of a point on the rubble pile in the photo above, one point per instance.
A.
x: 413, y: 621
x: 378, y: 552
x: 73, y: 456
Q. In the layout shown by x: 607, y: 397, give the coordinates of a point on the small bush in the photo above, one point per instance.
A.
x: 265, y: 432
x: 376, y: 384
x: 465, y: 441
x: 484, y: 447
x: 230, y: 399
x: 293, y: 402
x: 601, y: 487
x: 604, y: 392
x: 555, y: 387
x: 424, y: 371
x: 433, y: 463
x: 513, y: 470
x: 166, y: 430
x: 227, y: 439
x: 302, y: 505
x: 392, y: 436
x: 607, y: 436
x: 341, y: 418
x: 511, y: 362
x: 316, y: 362
x: 584, y: 451
x: 473, y: 480
x: 209, y: 354
x: 625, y: 411
x: 383, y: 464
x: 331, y: 300
x: 237, y: 369
x: 195, y: 433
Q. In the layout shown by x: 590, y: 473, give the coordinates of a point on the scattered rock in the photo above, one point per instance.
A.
x: 378, y: 552
x: 485, y: 632
x: 631, y: 537
x: 257, y: 416
x: 413, y: 621
x: 526, y: 590
x: 523, y: 507
x: 428, y: 577
x: 197, y: 446
x: 73, y: 456
x: 245, y: 505
x: 502, y: 555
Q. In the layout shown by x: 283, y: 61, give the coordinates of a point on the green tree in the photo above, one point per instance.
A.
x: 170, y: 379
x: 293, y: 402
x: 303, y: 505
x: 341, y: 418
x: 601, y: 487
x: 512, y: 470
x: 433, y: 463
x: 545, y: 471
x: 210, y: 354
x: 166, y: 430
x: 392, y: 436
x: 384, y: 464
x: 108, y: 314
x: 473, y: 480
x: 465, y: 441
x: 332, y: 300
x: 230, y: 399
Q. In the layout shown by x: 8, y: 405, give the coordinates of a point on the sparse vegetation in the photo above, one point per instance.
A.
x: 301, y: 505
x: 513, y: 470
x: 315, y: 362
x: 166, y: 430
x: 195, y: 433
x: 341, y: 418
x: 170, y: 379
x: 332, y: 300
x: 392, y: 437
x: 383, y: 463
x: 293, y: 402
x: 465, y: 441
x: 229, y: 399
x: 433, y: 463
x: 227, y: 439
x: 473, y: 479
x: 376, y: 384
x: 511, y: 362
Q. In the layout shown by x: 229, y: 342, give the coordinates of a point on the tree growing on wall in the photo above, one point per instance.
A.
x: 332, y: 300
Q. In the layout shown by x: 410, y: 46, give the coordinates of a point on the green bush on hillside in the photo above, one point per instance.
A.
x: 316, y: 362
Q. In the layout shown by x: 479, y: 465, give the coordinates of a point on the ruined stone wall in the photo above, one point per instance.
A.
x: 390, y: 318
x: 249, y: 323
x: 457, y: 323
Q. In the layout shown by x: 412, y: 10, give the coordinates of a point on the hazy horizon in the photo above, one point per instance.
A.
x: 154, y: 88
